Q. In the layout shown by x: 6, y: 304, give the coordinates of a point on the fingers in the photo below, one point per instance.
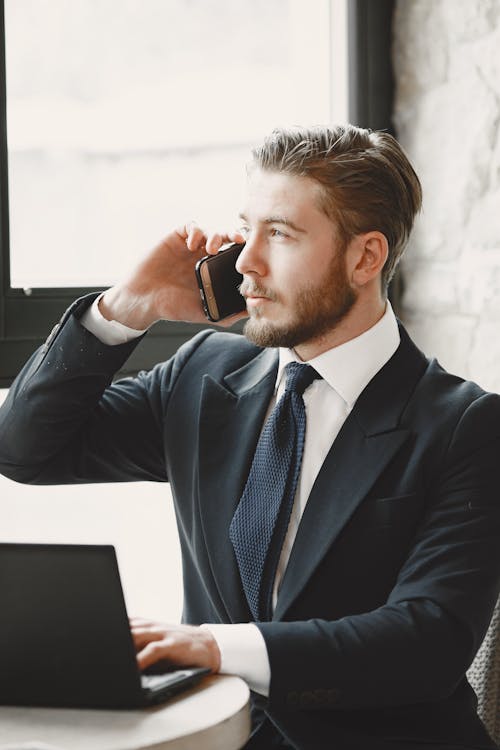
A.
x: 193, y: 235
x: 183, y: 645
x: 143, y: 635
x: 154, y: 652
x: 215, y: 241
x: 152, y: 643
x: 140, y: 622
x: 197, y: 240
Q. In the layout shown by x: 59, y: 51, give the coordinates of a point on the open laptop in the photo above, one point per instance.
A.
x: 64, y: 633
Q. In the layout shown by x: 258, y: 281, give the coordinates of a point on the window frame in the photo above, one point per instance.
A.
x: 28, y: 315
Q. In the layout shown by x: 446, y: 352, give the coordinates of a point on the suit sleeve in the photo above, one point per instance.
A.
x: 418, y: 645
x: 65, y: 422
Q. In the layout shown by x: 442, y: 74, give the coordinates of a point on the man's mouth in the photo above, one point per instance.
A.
x: 254, y: 295
x: 253, y: 299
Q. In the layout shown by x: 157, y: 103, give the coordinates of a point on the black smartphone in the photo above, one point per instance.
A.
x: 219, y: 280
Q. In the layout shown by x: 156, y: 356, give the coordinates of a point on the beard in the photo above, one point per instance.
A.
x: 317, y: 310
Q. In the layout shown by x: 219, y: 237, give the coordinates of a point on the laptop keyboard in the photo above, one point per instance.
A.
x: 154, y: 681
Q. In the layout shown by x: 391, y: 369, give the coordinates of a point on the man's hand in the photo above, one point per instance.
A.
x: 182, y: 645
x: 163, y: 286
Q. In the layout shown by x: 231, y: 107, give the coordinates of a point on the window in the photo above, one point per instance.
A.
x: 119, y: 126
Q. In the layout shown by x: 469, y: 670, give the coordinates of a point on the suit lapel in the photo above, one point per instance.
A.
x: 368, y: 441
x: 340, y: 487
x: 231, y: 417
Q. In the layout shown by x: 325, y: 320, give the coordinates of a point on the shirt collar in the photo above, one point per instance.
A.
x: 348, y: 368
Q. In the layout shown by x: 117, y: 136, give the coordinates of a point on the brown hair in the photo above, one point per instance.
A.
x: 368, y: 183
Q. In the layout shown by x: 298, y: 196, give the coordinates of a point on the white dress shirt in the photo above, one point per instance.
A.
x: 345, y: 371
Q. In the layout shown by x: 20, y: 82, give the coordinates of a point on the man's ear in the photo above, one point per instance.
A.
x: 370, y: 254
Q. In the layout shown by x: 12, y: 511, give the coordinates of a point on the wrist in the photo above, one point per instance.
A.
x: 212, y: 645
x: 130, y: 310
x: 215, y: 655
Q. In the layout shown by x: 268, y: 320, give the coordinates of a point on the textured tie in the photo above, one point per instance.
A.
x: 260, y: 522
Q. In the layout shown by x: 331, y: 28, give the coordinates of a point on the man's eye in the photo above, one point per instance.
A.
x: 278, y: 233
x: 245, y: 231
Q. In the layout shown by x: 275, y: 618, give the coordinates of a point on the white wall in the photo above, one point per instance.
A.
x: 447, y: 114
x: 137, y: 518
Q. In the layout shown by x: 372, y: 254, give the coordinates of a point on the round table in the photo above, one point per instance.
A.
x: 214, y: 715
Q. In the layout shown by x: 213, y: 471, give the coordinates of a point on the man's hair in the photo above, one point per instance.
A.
x: 366, y: 179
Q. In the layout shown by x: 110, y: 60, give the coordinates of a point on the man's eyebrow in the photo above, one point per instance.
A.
x: 277, y: 220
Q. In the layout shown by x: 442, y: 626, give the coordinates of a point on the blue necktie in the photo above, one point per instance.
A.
x: 260, y: 522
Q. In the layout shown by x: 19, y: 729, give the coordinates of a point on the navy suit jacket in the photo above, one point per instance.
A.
x: 394, y: 573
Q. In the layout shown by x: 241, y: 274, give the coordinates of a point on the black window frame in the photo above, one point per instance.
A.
x: 27, y: 316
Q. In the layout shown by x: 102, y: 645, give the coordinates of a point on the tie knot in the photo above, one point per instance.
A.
x: 299, y: 377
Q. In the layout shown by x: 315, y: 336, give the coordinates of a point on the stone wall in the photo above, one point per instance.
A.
x: 447, y: 115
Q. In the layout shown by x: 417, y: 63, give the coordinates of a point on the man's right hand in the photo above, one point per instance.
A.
x: 163, y: 286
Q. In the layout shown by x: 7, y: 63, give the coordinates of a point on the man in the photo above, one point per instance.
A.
x: 356, y: 629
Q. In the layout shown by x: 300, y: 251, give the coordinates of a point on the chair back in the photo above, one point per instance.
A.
x: 484, y: 676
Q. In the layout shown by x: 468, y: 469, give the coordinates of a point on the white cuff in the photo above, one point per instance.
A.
x: 244, y: 653
x: 110, y: 332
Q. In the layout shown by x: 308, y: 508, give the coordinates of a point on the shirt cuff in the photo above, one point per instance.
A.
x: 243, y: 652
x: 109, y: 332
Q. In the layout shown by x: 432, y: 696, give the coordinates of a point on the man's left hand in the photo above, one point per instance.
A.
x: 180, y: 645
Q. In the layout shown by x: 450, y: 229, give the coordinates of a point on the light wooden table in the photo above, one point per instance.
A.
x: 214, y: 715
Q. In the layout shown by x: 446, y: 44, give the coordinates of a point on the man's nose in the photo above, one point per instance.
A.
x: 251, y: 258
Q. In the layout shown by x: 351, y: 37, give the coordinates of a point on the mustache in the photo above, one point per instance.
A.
x: 250, y: 288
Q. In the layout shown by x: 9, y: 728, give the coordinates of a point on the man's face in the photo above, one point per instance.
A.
x: 294, y: 268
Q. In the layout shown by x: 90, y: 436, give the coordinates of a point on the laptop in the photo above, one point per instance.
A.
x: 65, y: 638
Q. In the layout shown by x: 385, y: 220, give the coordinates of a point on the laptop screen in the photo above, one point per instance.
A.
x: 64, y: 631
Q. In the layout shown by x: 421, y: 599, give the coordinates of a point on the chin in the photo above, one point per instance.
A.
x: 264, y: 333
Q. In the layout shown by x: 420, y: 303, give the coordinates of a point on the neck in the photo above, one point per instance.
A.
x: 363, y: 315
